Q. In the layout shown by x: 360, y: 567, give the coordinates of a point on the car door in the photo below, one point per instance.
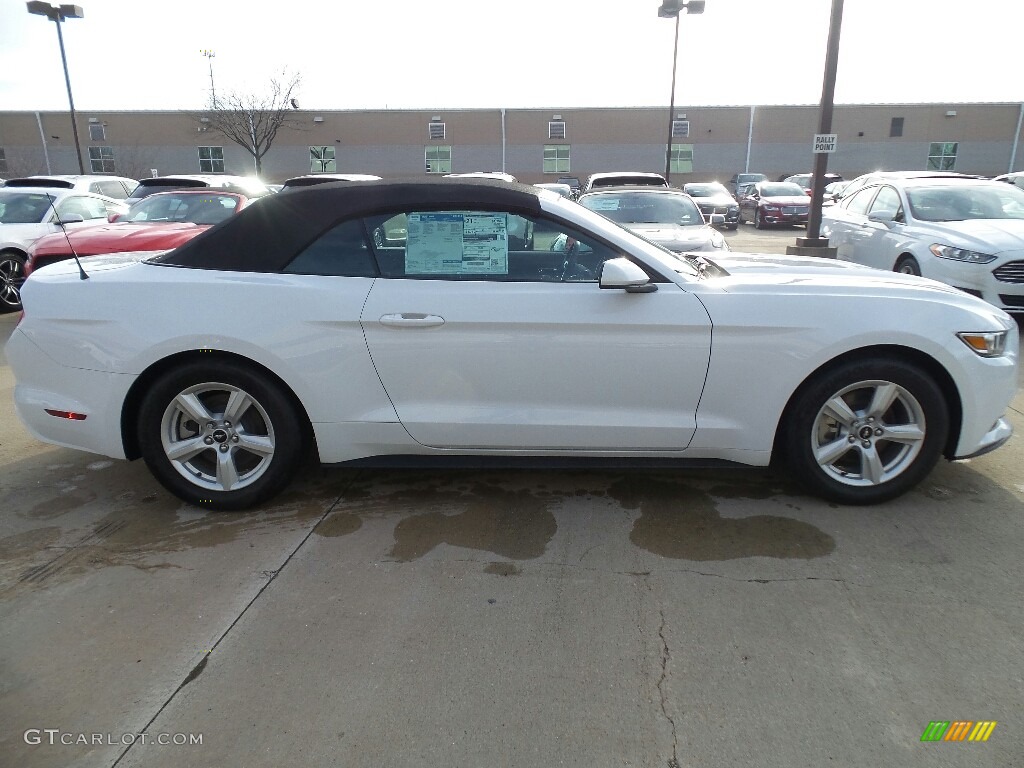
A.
x: 847, y: 222
x: 484, y: 347
x: 881, y: 231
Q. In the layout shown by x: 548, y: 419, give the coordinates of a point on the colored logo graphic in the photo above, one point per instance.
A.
x: 958, y: 730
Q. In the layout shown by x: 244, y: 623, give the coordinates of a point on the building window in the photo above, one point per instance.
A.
x: 211, y: 159
x: 438, y: 159
x: 556, y: 158
x: 321, y: 160
x: 556, y: 130
x: 435, y: 132
x: 101, y: 159
x: 942, y: 156
x: 3, y: 161
x: 681, y: 158
x: 896, y: 128
x: 97, y: 132
x: 680, y: 129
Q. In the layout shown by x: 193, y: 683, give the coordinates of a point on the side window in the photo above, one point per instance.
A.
x: 887, y: 202
x: 484, y: 245
x: 860, y: 201
x: 112, y: 189
x: 86, y: 207
x: 341, y: 252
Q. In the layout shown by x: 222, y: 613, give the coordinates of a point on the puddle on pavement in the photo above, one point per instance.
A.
x: 503, y: 569
x: 339, y: 524
x: 144, y: 525
x: 514, y: 522
x: 679, y: 520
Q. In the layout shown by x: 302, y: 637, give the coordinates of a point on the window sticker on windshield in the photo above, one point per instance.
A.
x: 456, y: 244
x: 604, y: 204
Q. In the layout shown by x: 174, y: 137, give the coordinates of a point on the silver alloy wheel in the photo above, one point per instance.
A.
x: 907, y: 268
x: 217, y: 436
x: 868, y: 433
x: 12, y: 276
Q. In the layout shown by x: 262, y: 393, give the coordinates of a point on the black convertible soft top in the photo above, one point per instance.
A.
x: 269, y: 233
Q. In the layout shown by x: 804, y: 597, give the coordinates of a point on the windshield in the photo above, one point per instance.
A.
x: 964, y: 202
x: 782, y: 189
x: 23, y: 207
x: 641, y: 208
x: 207, y: 208
x: 705, y: 190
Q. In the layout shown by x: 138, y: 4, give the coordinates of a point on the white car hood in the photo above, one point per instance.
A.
x: 984, y: 235
x: 22, y: 235
x: 769, y: 269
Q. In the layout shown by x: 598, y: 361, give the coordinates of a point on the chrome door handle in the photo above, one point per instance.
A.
x: 411, y: 320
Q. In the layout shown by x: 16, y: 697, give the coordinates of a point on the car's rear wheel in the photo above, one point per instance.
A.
x: 866, y: 431
x: 907, y: 265
x: 220, y: 435
x: 12, y: 277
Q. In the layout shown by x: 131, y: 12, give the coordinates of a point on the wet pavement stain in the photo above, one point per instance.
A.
x: 339, y: 524
x: 680, y: 521
x: 23, y: 544
x: 503, y: 569
x: 512, y: 520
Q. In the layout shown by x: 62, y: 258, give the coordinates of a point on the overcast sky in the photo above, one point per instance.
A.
x: 436, y: 54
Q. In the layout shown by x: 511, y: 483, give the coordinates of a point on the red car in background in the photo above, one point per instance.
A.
x: 160, y: 222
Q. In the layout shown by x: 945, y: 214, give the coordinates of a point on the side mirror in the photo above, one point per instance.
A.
x: 113, y: 217
x: 623, y: 273
x: 882, y: 217
x: 717, y: 219
x: 72, y: 218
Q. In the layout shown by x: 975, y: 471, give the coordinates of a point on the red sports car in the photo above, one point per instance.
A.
x: 159, y: 222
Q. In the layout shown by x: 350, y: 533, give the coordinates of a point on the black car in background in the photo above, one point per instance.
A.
x: 712, y: 197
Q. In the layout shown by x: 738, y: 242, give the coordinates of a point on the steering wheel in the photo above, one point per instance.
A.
x: 572, y: 270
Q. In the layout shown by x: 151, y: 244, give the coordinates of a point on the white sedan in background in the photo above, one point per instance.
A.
x: 28, y: 213
x: 292, y: 327
x: 968, y: 233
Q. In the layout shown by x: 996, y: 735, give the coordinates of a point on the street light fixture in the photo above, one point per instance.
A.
x: 671, y: 9
x: 57, y: 14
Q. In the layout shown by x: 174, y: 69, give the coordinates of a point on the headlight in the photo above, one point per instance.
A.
x: 960, y: 254
x: 985, y: 343
x: 717, y: 241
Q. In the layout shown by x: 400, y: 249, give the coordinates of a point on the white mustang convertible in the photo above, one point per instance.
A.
x: 473, y: 321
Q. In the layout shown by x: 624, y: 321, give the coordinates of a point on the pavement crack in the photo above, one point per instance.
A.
x: 666, y: 656
x: 270, y: 577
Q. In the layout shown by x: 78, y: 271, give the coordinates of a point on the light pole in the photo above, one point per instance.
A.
x: 209, y: 57
x: 57, y: 14
x: 671, y: 9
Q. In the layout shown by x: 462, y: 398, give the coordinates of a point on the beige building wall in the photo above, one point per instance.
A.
x: 392, y: 143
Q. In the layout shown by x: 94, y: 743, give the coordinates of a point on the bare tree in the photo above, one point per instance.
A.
x: 252, y: 120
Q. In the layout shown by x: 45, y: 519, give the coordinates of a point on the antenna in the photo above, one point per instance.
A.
x: 81, y: 272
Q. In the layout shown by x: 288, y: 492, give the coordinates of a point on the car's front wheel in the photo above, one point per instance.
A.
x: 867, y: 431
x: 758, y: 219
x: 12, y: 277
x: 220, y: 435
x: 907, y: 265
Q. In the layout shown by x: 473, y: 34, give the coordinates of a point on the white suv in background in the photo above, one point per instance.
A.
x: 117, y: 187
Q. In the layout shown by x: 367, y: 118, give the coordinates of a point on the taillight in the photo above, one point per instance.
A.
x: 21, y: 316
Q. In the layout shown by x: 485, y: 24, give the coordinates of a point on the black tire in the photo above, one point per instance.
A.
x: 907, y: 265
x: 249, y: 459
x: 758, y: 220
x: 846, y: 459
x: 733, y: 227
x: 12, y: 277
